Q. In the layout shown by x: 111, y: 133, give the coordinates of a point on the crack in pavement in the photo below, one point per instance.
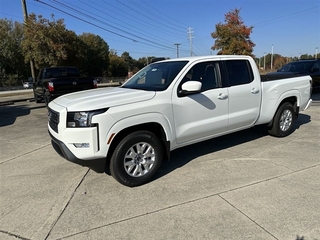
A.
x: 14, y: 235
x: 67, y: 204
x: 188, y: 202
x: 11, y: 159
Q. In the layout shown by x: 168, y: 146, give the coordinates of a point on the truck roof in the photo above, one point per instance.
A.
x: 213, y: 57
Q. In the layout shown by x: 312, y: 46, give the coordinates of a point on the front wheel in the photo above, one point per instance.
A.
x: 283, y: 121
x: 136, y: 158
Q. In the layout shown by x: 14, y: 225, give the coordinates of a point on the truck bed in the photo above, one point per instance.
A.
x: 266, y: 78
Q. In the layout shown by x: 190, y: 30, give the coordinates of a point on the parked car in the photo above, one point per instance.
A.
x: 28, y: 85
x: 171, y: 104
x: 302, y: 67
x: 53, y: 82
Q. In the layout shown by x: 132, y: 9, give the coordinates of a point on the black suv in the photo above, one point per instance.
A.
x: 302, y: 67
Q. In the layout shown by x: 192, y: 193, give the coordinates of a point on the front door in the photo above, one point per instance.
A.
x: 201, y: 115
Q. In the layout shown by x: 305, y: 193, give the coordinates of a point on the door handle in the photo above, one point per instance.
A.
x: 222, y: 96
x: 254, y: 90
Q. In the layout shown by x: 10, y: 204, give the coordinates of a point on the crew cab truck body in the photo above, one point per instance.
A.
x: 131, y: 129
x: 53, y: 82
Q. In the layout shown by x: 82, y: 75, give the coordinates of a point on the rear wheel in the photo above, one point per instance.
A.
x: 136, y: 158
x: 283, y: 121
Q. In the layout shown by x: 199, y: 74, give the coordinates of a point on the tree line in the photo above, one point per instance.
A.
x: 48, y: 43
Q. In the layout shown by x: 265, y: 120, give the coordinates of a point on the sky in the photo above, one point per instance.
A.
x: 180, y: 28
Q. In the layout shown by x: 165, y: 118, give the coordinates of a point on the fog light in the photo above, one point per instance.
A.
x: 81, y: 145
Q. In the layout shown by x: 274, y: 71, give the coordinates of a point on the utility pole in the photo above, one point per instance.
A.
x: 271, y: 56
x: 177, y: 44
x: 25, y: 17
x: 190, y: 36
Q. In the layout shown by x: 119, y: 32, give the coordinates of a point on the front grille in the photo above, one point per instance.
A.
x: 53, y: 118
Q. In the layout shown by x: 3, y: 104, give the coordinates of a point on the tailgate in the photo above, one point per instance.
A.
x: 73, y: 84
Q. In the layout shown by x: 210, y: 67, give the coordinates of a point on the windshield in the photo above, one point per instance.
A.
x: 296, y: 67
x: 156, y: 76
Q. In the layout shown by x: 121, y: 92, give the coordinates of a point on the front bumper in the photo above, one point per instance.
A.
x: 97, y: 165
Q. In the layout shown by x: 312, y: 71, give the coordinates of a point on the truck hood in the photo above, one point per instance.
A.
x: 102, y: 98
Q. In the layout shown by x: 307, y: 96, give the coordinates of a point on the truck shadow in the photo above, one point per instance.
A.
x: 10, y: 113
x: 182, y: 156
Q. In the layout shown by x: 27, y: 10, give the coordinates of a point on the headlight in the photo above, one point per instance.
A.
x: 82, y: 119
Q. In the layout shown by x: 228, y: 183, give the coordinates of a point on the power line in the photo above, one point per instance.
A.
x: 150, y: 16
x: 285, y: 17
x: 117, y: 28
x: 92, y: 14
x: 120, y: 35
x: 135, y: 18
x: 144, y: 41
x: 143, y: 22
x: 167, y: 16
x: 124, y: 29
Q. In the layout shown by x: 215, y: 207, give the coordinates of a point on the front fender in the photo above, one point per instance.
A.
x: 141, y: 119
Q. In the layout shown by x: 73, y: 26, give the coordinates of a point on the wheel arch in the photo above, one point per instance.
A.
x: 154, y: 127
x: 293, y: 100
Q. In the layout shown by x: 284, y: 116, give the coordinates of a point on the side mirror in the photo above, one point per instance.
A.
x: 190, y: 87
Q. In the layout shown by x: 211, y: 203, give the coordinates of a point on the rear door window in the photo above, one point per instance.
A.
x: 239, y: 72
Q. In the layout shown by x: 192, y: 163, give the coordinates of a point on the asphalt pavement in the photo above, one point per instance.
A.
x: 246, y: 185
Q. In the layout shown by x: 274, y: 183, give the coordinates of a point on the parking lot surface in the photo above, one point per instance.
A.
x: 246, y: 185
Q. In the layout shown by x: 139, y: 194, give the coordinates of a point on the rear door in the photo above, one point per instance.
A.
x: 244, y: 94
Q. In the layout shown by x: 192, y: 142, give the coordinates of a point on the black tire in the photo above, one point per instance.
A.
x: 36, y: 98
x: 136, y: 158
x: 283, y: 121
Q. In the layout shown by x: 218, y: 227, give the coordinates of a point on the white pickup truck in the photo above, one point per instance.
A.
x: 130, y: 130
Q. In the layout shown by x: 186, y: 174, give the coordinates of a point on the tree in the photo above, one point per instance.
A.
x: 278, y: 61
x: 117, y: 66
x: 47, y: 42
x: 233, y: 37
x: 128, y: 60
x: 12, y: 67
x: 141, y: 62
x: 95, y: 54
